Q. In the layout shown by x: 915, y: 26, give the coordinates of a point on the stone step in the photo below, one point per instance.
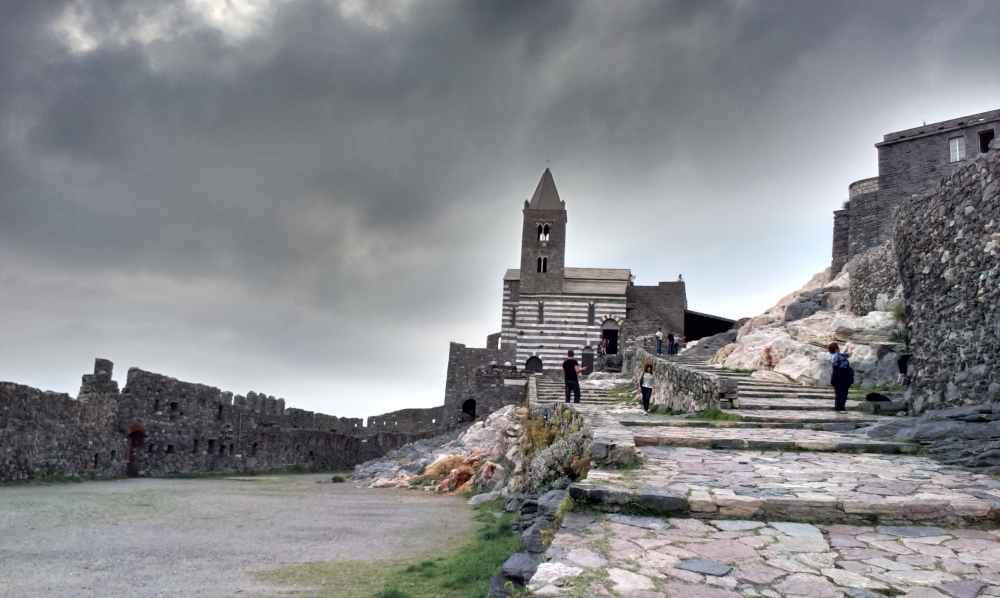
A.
x: 775, y: 394
x: 793, y: 404
x: 828, y: 426
x: 807, y: 487
x: 765, y: 439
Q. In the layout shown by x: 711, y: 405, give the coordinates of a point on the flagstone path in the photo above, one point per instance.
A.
x: 791, y: 500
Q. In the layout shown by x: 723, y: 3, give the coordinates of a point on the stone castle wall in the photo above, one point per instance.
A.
x: 650, y: 307
x: 948, y: 243
x: 471, y: 377
x: 158, y: 426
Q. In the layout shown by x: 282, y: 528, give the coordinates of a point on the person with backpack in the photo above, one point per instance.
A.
x: 842, y: 377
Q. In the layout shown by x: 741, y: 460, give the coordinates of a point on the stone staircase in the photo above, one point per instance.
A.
x: 788, y: 457
x: 553, y: 390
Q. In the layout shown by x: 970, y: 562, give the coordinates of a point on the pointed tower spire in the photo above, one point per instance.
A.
x: 546, y: 197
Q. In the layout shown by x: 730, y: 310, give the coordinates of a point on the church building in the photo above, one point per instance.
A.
x: 549, y: 308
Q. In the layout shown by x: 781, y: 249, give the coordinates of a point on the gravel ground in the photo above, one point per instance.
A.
x: 203, y: 537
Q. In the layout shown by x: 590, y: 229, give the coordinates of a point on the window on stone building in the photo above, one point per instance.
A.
x: 591, y: 314
x: 541, y: 312
x: 173, y: 411
x: 97, y: 460
x: 194, y: 447
x: 211, y: 446
x: 956, y: 148
x: 113, y: 455
x: 513, y: 316
x: 170, y: 449
x: 253, y: 450
x: 985, y: 137
x: 231, y: 450
x: 219, y: 414
x: 543, y: 264
x: 156, y: 405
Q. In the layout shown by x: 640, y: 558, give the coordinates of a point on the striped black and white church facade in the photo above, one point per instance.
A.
x: 548, y: 308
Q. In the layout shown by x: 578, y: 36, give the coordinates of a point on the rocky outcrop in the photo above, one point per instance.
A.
x: 948, y: 244
x: 791, y: 337
x: 968, y: 436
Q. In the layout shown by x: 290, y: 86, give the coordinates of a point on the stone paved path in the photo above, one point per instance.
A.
x: 642, y: 557
x: 764, y: 438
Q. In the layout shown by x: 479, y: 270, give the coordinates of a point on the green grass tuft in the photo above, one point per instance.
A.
x: 463, y: 572
x: 714, y: 414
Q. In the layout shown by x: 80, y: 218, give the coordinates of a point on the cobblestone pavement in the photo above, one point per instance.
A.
x: 803, y: 486
x: 765, y: 438
x: 793, y: 499
x: 644, y: 557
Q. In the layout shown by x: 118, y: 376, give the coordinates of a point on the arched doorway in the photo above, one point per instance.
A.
x: 588, y: 360
x: 469, y: 410
x: 609, y: 331
x: 534, y: 365
x: 133, y: 451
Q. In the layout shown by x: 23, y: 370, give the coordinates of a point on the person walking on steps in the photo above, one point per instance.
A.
x: 842, y: 377
x: 646, y: 387
x: 659, y: 341
x: 571, y: 368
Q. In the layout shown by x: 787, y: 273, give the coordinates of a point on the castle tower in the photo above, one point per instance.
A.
x: 543, y: 240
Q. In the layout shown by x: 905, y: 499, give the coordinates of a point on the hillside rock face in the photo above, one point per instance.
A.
x: 791, y: 338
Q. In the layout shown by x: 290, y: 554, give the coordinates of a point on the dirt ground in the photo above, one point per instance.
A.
x: 203, y: 537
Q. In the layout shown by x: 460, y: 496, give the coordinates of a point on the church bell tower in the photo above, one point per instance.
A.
x: 543, y: 240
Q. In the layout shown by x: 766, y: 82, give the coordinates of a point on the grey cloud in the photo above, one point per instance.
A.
x: 326, y: 197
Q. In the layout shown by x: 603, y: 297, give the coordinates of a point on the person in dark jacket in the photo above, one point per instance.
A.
x: 842, y: 376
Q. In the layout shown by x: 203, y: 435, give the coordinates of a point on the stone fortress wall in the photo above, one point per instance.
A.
x: 157, y: 425
x: 948, y: 243
x: 924, y: 235
x: 470, y: 377
x: 910, y: 163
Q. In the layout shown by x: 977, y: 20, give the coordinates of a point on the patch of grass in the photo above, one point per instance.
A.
x: 714, y: 414
x: 463, y: 572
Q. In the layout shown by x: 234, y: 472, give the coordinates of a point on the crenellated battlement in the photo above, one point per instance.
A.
x: 158, y: 425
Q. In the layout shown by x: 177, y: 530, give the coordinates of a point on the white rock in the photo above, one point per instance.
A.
x: 627, y: 581
x: 552, y: 574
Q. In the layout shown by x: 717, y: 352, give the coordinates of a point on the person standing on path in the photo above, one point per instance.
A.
x: 571, y: 368
x: 842, y: 377
x: 659, y: 341
x: 670, y: 343
x: 646, y: 387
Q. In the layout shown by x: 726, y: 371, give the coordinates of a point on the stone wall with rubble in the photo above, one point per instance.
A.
x: 158, y: 425
x: 679, y: 388
x: 948, y: 243
x: 874, y: 279
x: 45, y: 434
x: 470, y: 377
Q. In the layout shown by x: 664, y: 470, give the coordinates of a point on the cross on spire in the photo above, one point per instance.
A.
x: 547, y: 162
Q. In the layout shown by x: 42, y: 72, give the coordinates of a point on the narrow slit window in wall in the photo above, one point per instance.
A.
x: 541, y: 312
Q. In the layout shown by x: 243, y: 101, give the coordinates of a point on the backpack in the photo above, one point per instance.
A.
x: 842, y: 371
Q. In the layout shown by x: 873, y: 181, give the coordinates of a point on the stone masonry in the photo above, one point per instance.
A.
x: 948, y: 244
x: 158, y: 425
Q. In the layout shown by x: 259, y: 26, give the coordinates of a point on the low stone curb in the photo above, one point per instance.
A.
x: 721, y: 504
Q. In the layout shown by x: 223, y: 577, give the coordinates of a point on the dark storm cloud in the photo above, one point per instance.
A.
x: 307, y: 196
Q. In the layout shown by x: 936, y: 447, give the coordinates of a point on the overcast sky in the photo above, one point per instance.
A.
x: 312, y: 198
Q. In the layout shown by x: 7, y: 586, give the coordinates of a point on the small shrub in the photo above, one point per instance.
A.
x: 338, y: 479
